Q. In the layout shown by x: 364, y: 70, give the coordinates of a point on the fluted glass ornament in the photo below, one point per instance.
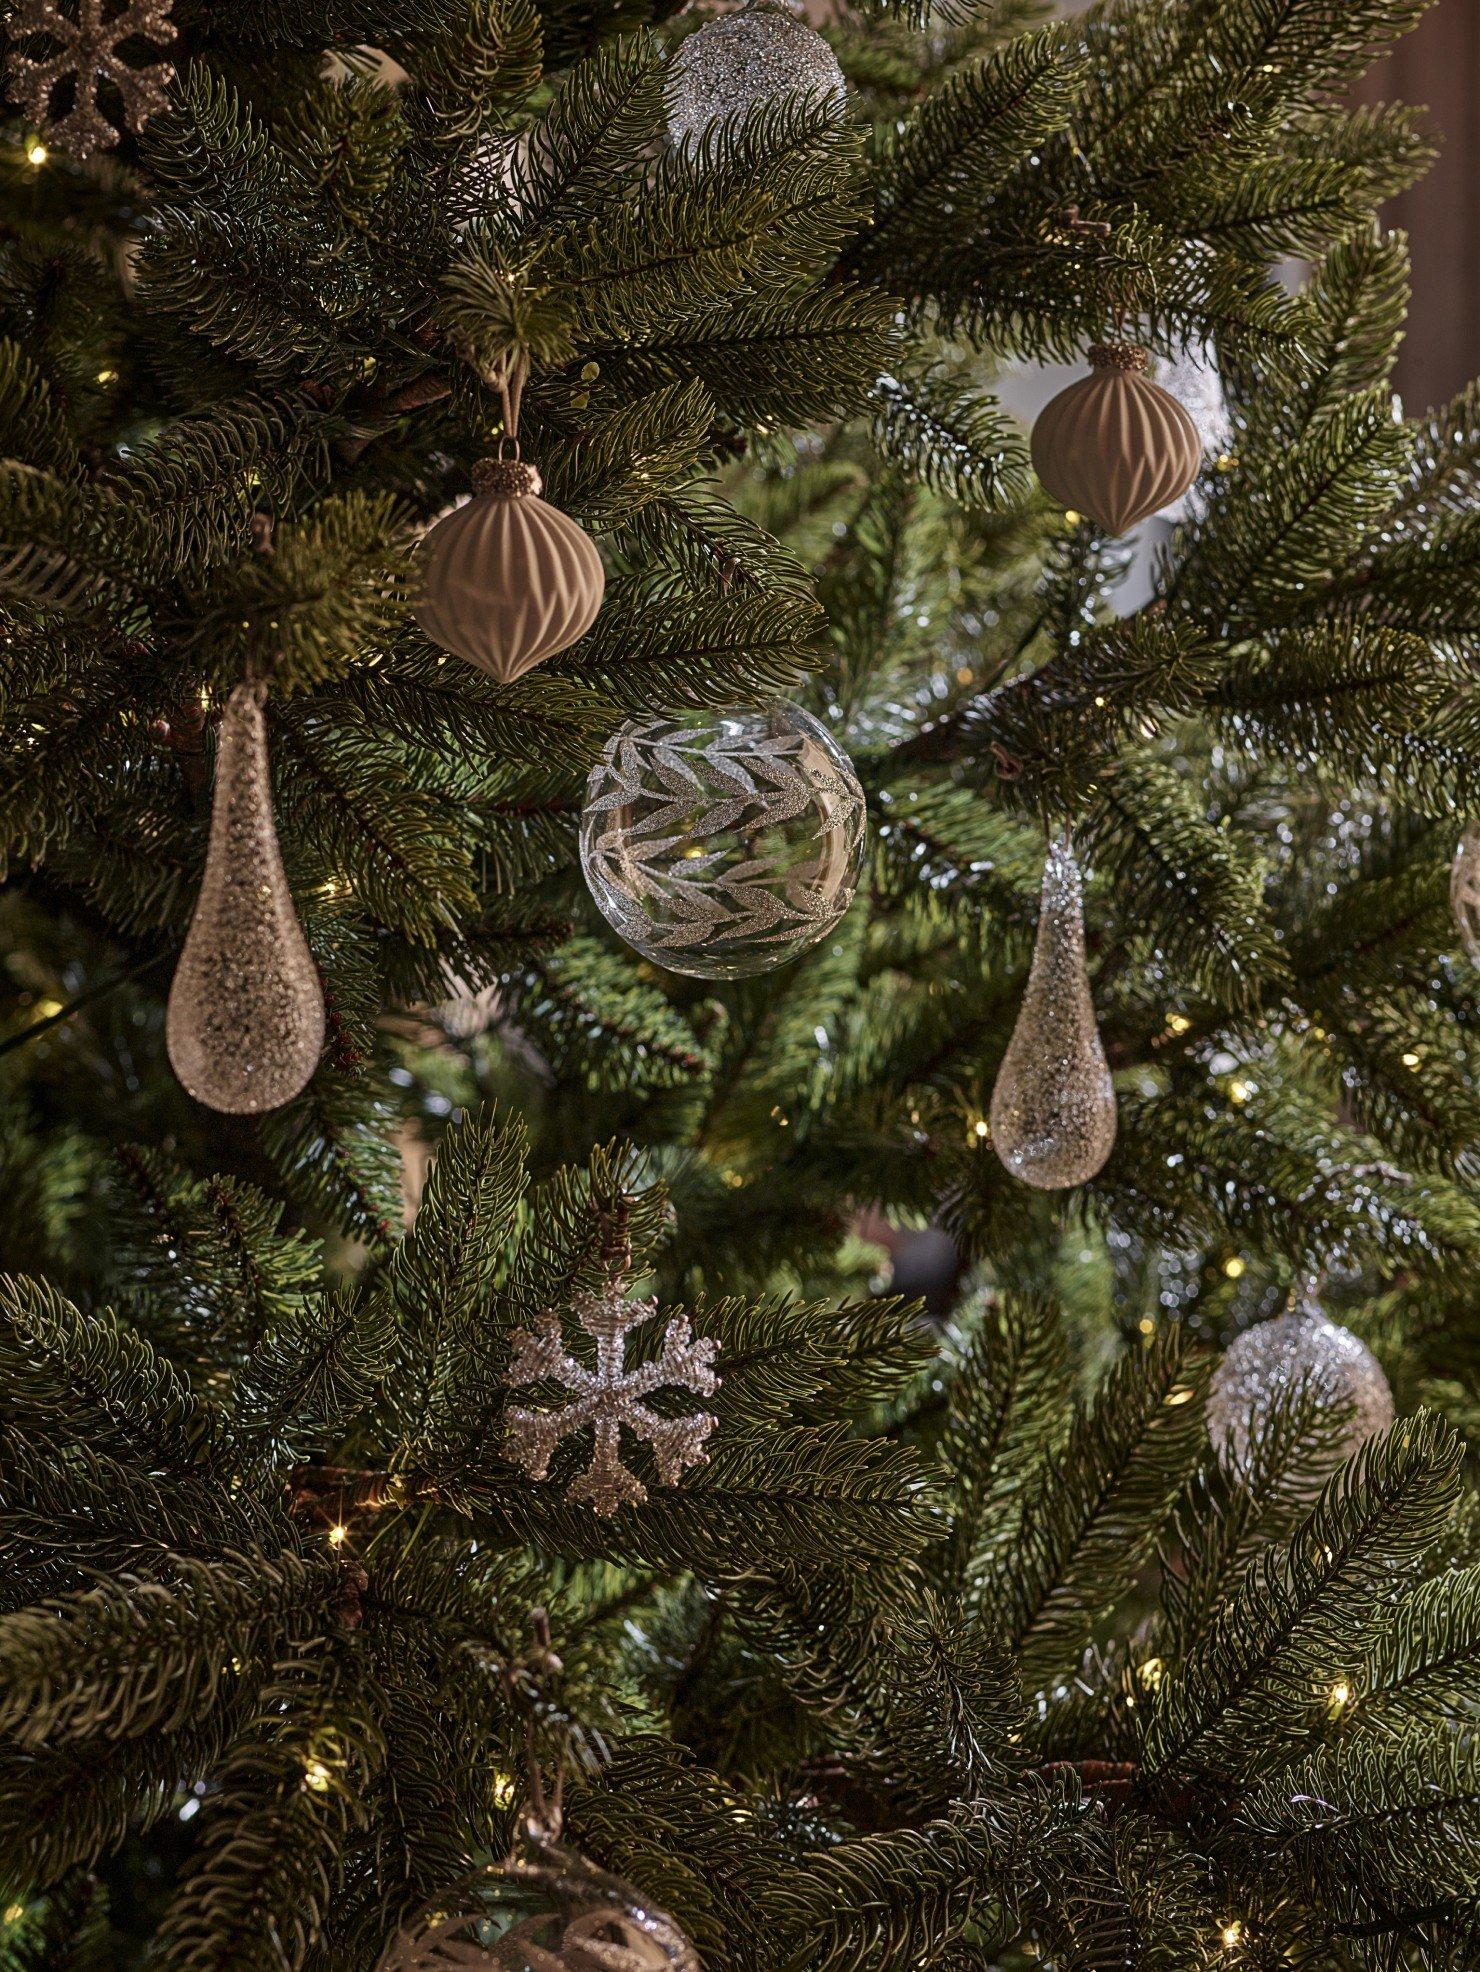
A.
x: 1053, y: 1107
x: 723, y: 843
x: 544, y: 1910
x: 754, y: 56
x: 245, y: 1026
x: 1464, y: 890
x: 507, y: 579
x: 1270, y: 1361
x: 1115, y: 445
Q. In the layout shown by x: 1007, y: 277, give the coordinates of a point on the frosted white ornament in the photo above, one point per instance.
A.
x: 720, y: 844
x: 754, y: 56
x: 1193, y: 378
x: 1464, y: 890
x: 1274, y: 1359
x: 546, y: 1909
x: 1053, y: 1106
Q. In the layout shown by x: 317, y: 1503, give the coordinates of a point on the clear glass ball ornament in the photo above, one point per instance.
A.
x: 1272, y: 1360
x: 546, y: 1909
x: 754, y: 56
x: 721, y: 844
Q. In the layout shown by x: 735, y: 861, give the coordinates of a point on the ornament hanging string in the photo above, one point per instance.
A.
x: 508, y: 380
x: 529, y: 1682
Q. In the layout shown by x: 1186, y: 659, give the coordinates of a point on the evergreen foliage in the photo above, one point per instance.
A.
x: 962, y: 1650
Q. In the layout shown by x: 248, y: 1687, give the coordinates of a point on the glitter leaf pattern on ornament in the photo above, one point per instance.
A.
x: 609, y: 1398
x: 1053, y: 1108
x: 1464, y: 891
x: 723, y: 844
x: 85, y: 54
x: 245, y: 1026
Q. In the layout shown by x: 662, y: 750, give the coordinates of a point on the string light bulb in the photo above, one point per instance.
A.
x: 316, y: 1777
x: 36, y: 152
x: 1232, y: 1934
x: 1233, y: 1267
x: 338, y: 1534
x: 1338, y: 1698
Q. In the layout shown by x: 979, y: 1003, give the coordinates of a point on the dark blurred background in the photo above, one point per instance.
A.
x: 1438, y: 65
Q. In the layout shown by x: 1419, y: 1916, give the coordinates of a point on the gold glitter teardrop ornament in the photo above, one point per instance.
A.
x: 508, y: 580
x: 1115, y: 445
x: 1053, y: 1109
x: 1464, y: 890
x: 245, y: 1027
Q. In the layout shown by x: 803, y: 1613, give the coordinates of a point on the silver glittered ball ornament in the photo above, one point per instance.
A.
x: 545, y: 1909
x: 754, y: 56
x: 720, y: 844
x: 1273, y: 1360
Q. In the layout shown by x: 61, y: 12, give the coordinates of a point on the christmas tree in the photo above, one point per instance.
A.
x: 492, y: 1384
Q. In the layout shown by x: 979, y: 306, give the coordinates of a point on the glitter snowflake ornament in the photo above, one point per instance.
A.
x: 546, y: 1909
x: 755, y: 56
x: 609, y: 1397
x: 75, y: 46
x: 1274, y: 1359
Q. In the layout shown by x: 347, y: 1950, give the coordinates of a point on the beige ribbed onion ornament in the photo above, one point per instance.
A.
x: 1115, y: 445
x: 1464, y: 890
x: 508, y: 579
x: 245, y: 1026
x: 1053, y: 1107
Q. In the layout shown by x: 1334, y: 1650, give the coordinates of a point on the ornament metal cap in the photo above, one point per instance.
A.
x: 1117, y: 355
x: 507, y: 479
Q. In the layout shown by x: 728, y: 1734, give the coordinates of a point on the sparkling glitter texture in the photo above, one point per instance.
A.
x: 246, y: 1016
x: 1053, y: 1108
x: 78, y: 49
x: 1193, y: 379
x: 751, y: 57
x: 609, y: 1397
x: 1273, y: 1359
x: 544, y: 1910
x: 1464, y: 890
x: 723, y: 843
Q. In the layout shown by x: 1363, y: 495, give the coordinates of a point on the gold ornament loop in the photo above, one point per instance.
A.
x: 1117, y: 354
x: 507, y: 479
